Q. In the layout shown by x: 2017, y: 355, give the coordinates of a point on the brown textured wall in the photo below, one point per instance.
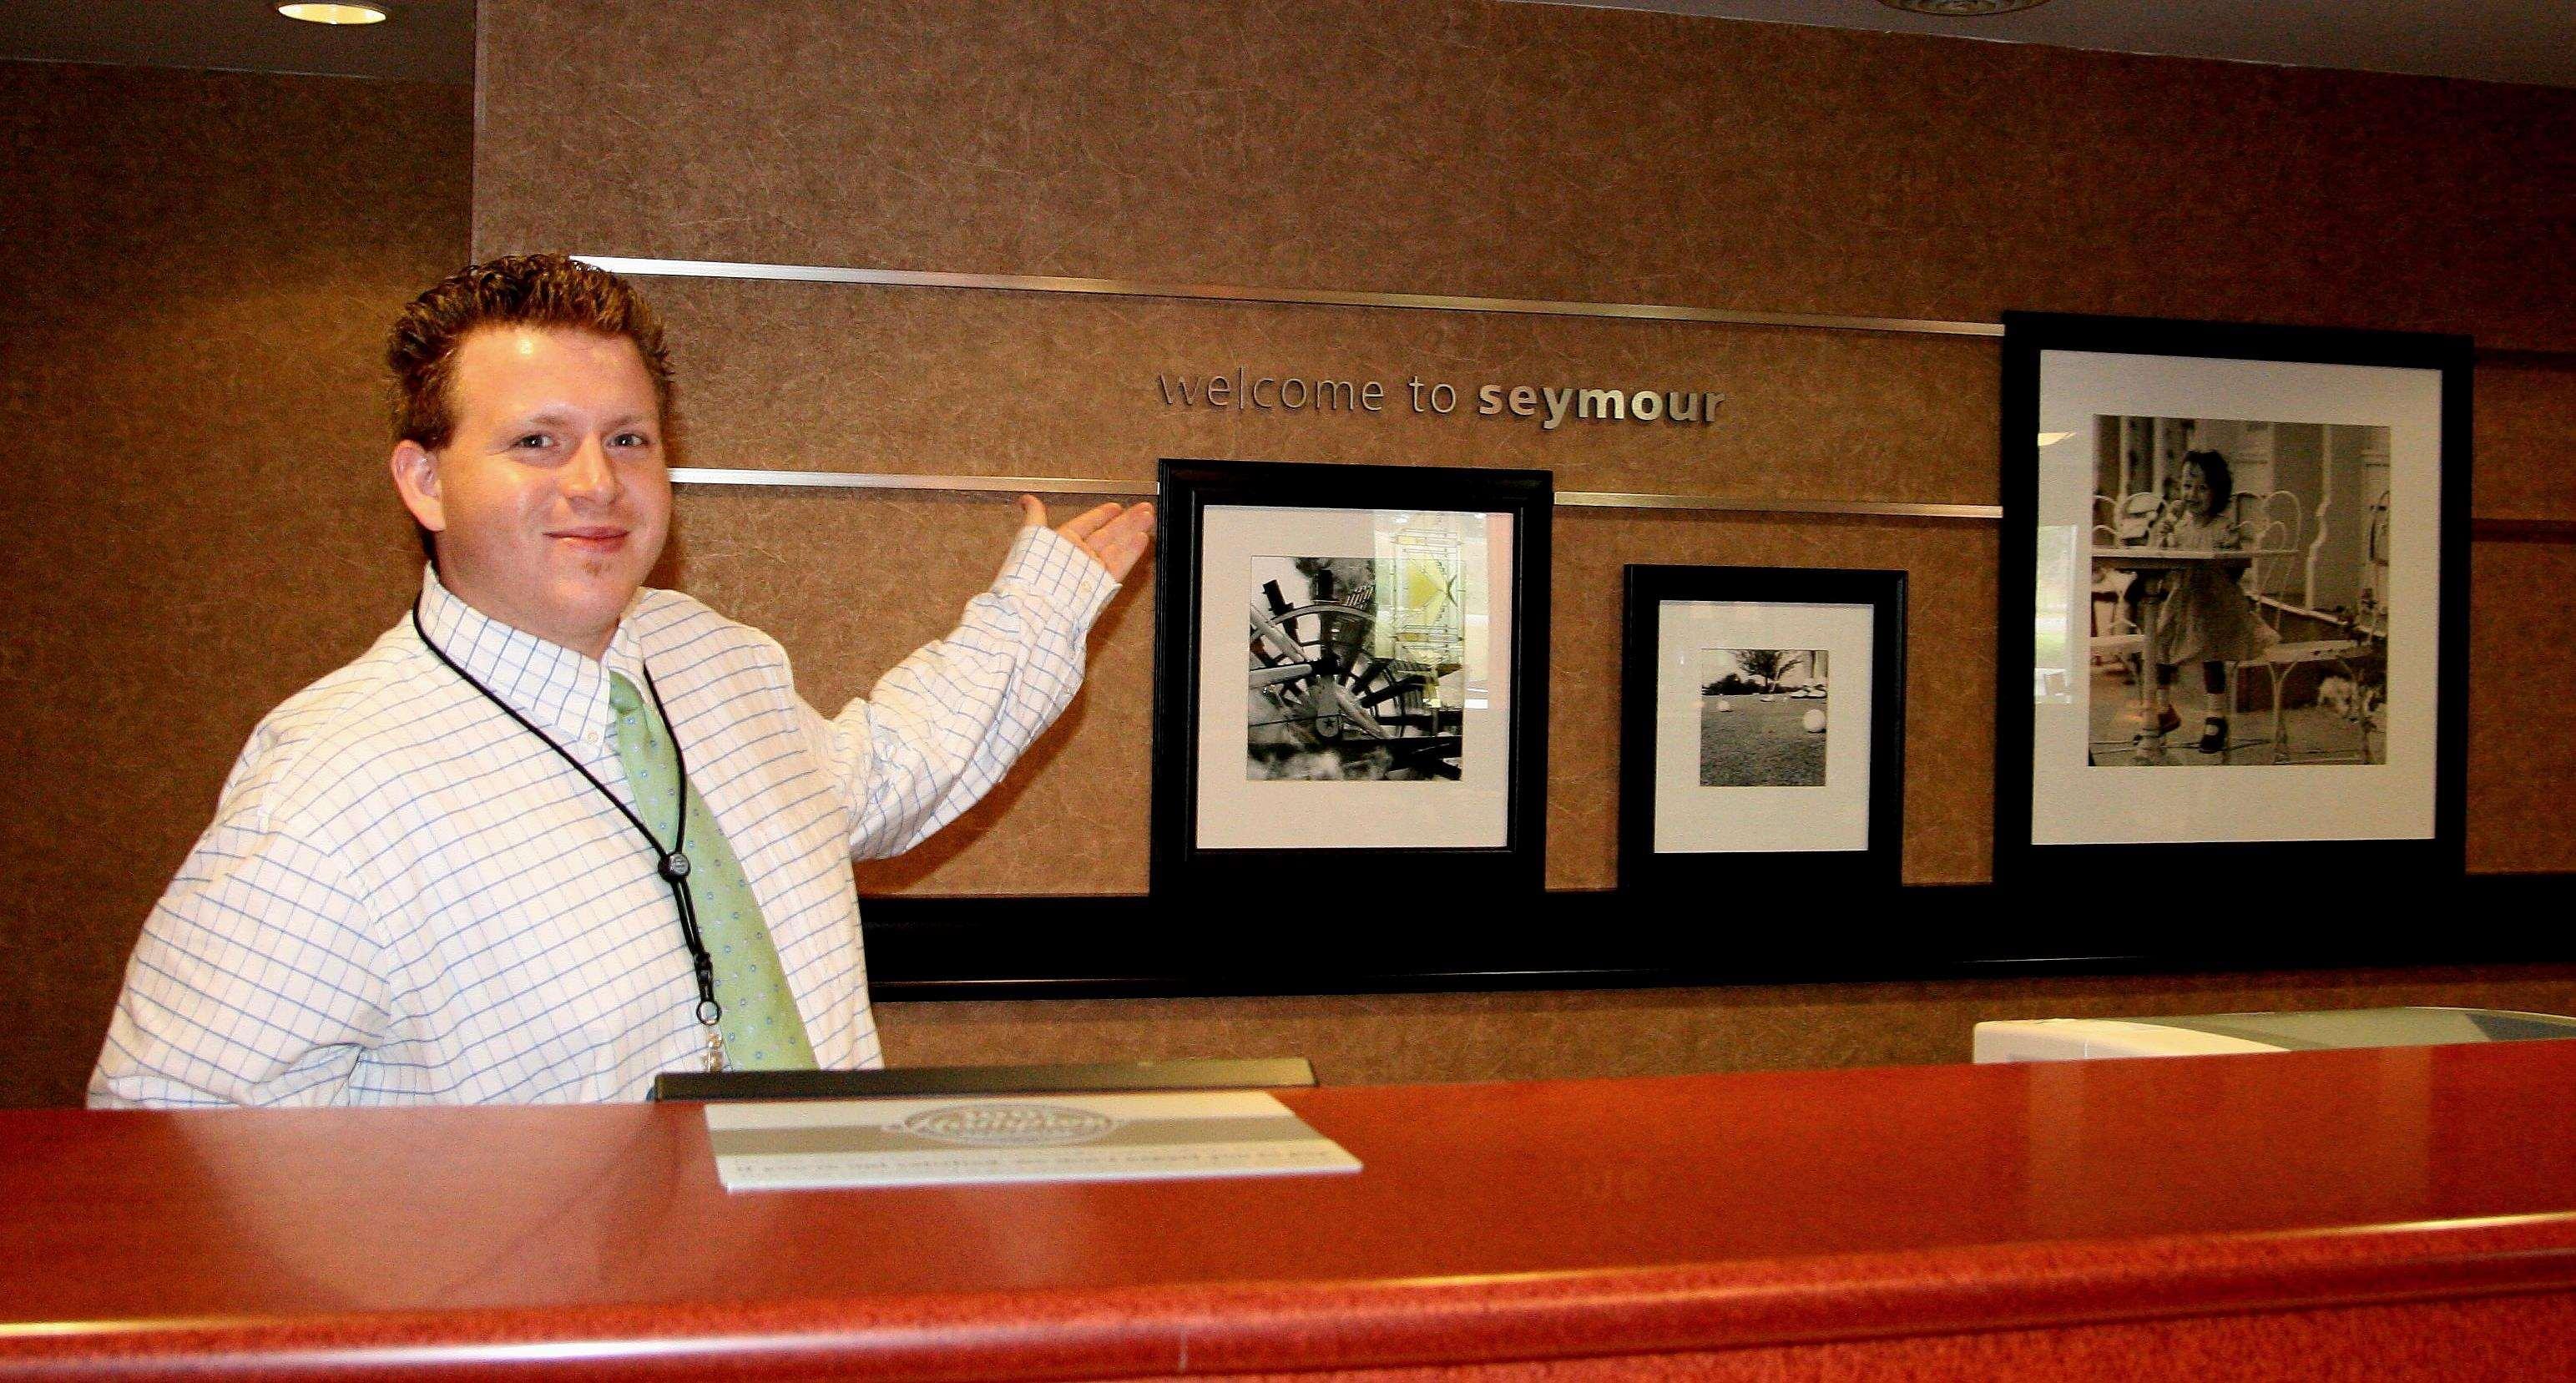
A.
x: 1545, y: 151
x: 176, y: 569
x: 194, y: 518
x: 1461, y: 146
x: 1512, y: 150
x: 1017, y: 385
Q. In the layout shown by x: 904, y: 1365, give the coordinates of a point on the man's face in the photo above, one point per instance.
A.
x: 551, y: 500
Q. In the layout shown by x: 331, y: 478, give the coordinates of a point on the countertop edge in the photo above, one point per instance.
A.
x: 1244, y: 1326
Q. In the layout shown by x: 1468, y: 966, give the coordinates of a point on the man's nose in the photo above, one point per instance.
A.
x: 590, y: 476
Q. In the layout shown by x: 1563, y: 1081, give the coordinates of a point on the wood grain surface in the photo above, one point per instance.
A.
x: 1496, y: 1222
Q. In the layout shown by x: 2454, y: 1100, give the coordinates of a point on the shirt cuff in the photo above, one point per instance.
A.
x: 1054, y: 569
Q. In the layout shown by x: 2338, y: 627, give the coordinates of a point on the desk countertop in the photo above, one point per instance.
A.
x: 1505, y: 1221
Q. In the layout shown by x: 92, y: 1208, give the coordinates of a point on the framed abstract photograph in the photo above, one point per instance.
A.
x: 1762, y: 729
x: 2241, y: 555
x: 1350, y: 681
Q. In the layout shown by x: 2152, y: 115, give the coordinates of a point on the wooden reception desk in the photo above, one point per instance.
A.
x: 2399, y: 1213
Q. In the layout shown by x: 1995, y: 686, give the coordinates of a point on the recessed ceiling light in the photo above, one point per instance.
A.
x: 336, y: 14
x: 1957, y: 9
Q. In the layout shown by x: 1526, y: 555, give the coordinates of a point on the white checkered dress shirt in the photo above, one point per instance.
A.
x: 406, y: 898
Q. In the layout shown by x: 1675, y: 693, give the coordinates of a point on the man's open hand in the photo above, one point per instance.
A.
x: 1114, y: 534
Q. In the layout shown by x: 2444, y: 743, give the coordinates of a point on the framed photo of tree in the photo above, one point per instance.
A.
x: 1350, y: 681
x: 1762, y: 729
x: 2240, y: 555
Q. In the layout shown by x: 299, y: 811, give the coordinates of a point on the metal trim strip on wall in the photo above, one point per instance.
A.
x: 1228, y: 293
x: 1065, y: 485
x: 2502, y: 530
x: 2496, y: 530
x: 1302, y: 297
x: 1430, y: 302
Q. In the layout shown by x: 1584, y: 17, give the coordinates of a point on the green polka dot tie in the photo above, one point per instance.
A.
x: 762, y: 1031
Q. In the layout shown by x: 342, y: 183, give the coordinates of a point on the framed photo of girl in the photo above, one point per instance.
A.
x: 1762, y: 731
x: 1350, y: 701
x: 2241, y: 553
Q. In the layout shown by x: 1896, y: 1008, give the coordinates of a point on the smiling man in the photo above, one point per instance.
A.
x: 555, y: 832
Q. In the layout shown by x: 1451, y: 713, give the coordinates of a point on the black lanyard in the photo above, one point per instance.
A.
x: 673, y: 863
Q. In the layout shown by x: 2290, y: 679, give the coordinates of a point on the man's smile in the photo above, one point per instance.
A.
x: 592, y: 537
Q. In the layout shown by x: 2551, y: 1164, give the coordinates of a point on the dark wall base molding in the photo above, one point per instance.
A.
x: 1132, y: 946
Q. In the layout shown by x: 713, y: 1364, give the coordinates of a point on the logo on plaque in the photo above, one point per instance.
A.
x: 1009, y: 1125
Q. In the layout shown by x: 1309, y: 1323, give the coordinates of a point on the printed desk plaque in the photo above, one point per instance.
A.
x: 817, y: 1145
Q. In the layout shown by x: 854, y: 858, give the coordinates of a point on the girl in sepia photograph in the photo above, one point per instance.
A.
x: 1357, y: 669
x: 2204, y: 618
x: 2250, y: 558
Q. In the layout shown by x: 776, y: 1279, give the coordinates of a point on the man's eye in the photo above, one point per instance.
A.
x: 533, y: 439
x: 633, y: 439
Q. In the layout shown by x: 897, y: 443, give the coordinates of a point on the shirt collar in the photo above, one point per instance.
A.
x: 561, y: 690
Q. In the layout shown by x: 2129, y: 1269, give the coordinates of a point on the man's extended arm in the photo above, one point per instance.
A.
x: 943, y: 725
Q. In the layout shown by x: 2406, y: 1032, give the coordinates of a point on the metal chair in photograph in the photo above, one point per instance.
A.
x: 2114, y: 637
x: 2268, y: 525
x: 2266, y: 587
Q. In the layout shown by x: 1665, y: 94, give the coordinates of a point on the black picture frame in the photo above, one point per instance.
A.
x: 2032, y: 856
x: 1467, y: 880
x: 1877, y: 863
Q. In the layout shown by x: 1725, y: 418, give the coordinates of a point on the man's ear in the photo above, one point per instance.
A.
x: 416, y: 479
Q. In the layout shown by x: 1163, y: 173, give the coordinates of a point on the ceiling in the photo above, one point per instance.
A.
x: 425, y: 41
x: 2532, y: 41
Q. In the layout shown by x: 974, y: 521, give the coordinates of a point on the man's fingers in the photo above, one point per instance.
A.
x: 1126, y: 529
x: 1032, y: 513
x: 1134, y: 526
x: 1122, y: 539
x: 1114, y: 534
x: 1081, y: 527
